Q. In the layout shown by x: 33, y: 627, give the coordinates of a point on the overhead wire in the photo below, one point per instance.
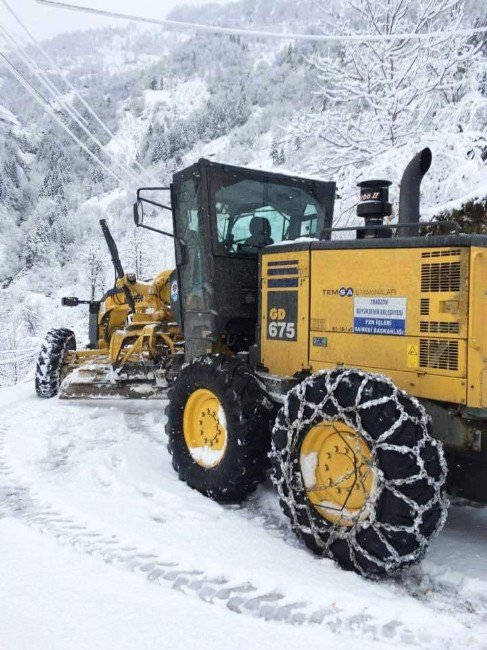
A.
x: 58, y: 96
x: 15, y: 360
x: 44, y: 103
x: 216, y: 29
x: 73, y: 89
x: 20, y: 351
x: 173, y: 24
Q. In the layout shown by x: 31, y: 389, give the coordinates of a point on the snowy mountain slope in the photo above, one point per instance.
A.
x: 102, y: 546
x: 7, y: 117
x: 170, y: 98
x: 98, y: 480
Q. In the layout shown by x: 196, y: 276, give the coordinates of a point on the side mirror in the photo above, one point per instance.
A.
x: 138, y: 213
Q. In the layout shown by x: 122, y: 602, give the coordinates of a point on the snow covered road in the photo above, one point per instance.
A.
x: 132, y: 558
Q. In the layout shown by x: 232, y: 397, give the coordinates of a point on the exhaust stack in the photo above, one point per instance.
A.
x: 409, y: 193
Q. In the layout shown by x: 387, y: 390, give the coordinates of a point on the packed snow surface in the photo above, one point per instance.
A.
x: 103, y: 547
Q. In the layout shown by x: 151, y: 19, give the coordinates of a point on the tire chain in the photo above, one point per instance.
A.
x: 325, y: 534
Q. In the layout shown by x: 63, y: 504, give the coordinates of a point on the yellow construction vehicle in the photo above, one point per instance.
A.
x: 133, y: 338
x: 346, y: 363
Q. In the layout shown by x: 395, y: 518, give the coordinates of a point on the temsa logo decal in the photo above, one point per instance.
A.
x: 343, y: 292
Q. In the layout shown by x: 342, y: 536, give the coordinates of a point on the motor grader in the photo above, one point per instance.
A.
x: 343, y: 365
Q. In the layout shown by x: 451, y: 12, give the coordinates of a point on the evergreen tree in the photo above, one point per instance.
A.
x: 282, y: 157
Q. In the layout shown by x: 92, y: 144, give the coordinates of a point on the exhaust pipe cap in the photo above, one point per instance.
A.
x: 409, y: 192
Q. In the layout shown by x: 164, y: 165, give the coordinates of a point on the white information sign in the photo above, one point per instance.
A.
x: 380, y: 315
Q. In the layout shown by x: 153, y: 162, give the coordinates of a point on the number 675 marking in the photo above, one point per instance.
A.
x: 282, y: 330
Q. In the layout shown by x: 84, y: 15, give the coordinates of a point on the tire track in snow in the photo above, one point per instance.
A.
x: 440, y: 594
x: 17, y: 500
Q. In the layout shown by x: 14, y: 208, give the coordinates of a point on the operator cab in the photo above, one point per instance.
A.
x: 223, y: 217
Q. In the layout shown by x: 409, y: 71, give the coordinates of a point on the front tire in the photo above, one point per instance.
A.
x: 50, y: 362
x: 218, y: 425
x: 357, y: 471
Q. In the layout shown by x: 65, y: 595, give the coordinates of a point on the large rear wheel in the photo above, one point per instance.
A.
x: 218, y: 425
x: 357, y: 471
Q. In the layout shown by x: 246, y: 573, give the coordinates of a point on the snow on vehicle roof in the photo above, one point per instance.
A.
x: 299, y: 240
x: 286, y: 172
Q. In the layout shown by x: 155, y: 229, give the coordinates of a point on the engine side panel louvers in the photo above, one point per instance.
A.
x: 440, y: 276
x: 439, y: 354
x: 248, y: 296
x: 439, y: 327
x: 425, y: 307
x: 442, y: 253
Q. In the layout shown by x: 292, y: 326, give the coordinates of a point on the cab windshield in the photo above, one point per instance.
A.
x: 250, y: 214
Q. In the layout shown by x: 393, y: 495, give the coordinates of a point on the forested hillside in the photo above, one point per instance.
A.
x: 342, y: 111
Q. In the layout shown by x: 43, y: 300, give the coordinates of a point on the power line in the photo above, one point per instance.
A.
x: 73, y: 89
x: 21, y: 351
x: 91, y: 111
x: 75, y: 116
x: 215, y: 29
x: 16, y: 360
x: 44, y: 103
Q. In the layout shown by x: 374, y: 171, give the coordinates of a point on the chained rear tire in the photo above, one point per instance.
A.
x: 404, y: 503
x: 220, y: 401
x: 51, y: 360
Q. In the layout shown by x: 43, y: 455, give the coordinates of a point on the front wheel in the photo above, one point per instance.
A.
x: 50, y: 363
x: 218, y: 425
x: 357, y: 471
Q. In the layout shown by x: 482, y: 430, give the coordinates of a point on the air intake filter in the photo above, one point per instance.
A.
x: 373, y: 207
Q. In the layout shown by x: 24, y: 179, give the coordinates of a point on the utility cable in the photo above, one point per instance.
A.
x: 44, y: 103
x: 87, y: 106
x: 72, y: 113
x: 58, y: 93
x: 215, y: 29
x: 21, y: 351
x: 33, y: 65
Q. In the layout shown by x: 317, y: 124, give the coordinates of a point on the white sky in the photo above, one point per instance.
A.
x: 46, y: 21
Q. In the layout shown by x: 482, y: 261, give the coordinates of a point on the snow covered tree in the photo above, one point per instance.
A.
x: 11, y: 172
x: 281, y: 160
x: 95, y: 270
x: 160, y: 151
x: 380, y: 97
x: 53, y: 186
x: 274, y: 152
x: 377, y: 95
x: 46, y: 239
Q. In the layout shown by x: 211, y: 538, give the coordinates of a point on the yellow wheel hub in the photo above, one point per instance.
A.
x: 204, y: 428
x: 337, y: 471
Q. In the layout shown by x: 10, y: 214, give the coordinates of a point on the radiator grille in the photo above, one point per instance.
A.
x: 439, y: 354
x: 440, y: 276
x: 439, y: 327
x: 248, y: 296
x: 451, y: 253
x: 425, y: 307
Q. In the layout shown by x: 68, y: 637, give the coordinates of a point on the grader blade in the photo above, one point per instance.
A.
x: 96, y: 381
